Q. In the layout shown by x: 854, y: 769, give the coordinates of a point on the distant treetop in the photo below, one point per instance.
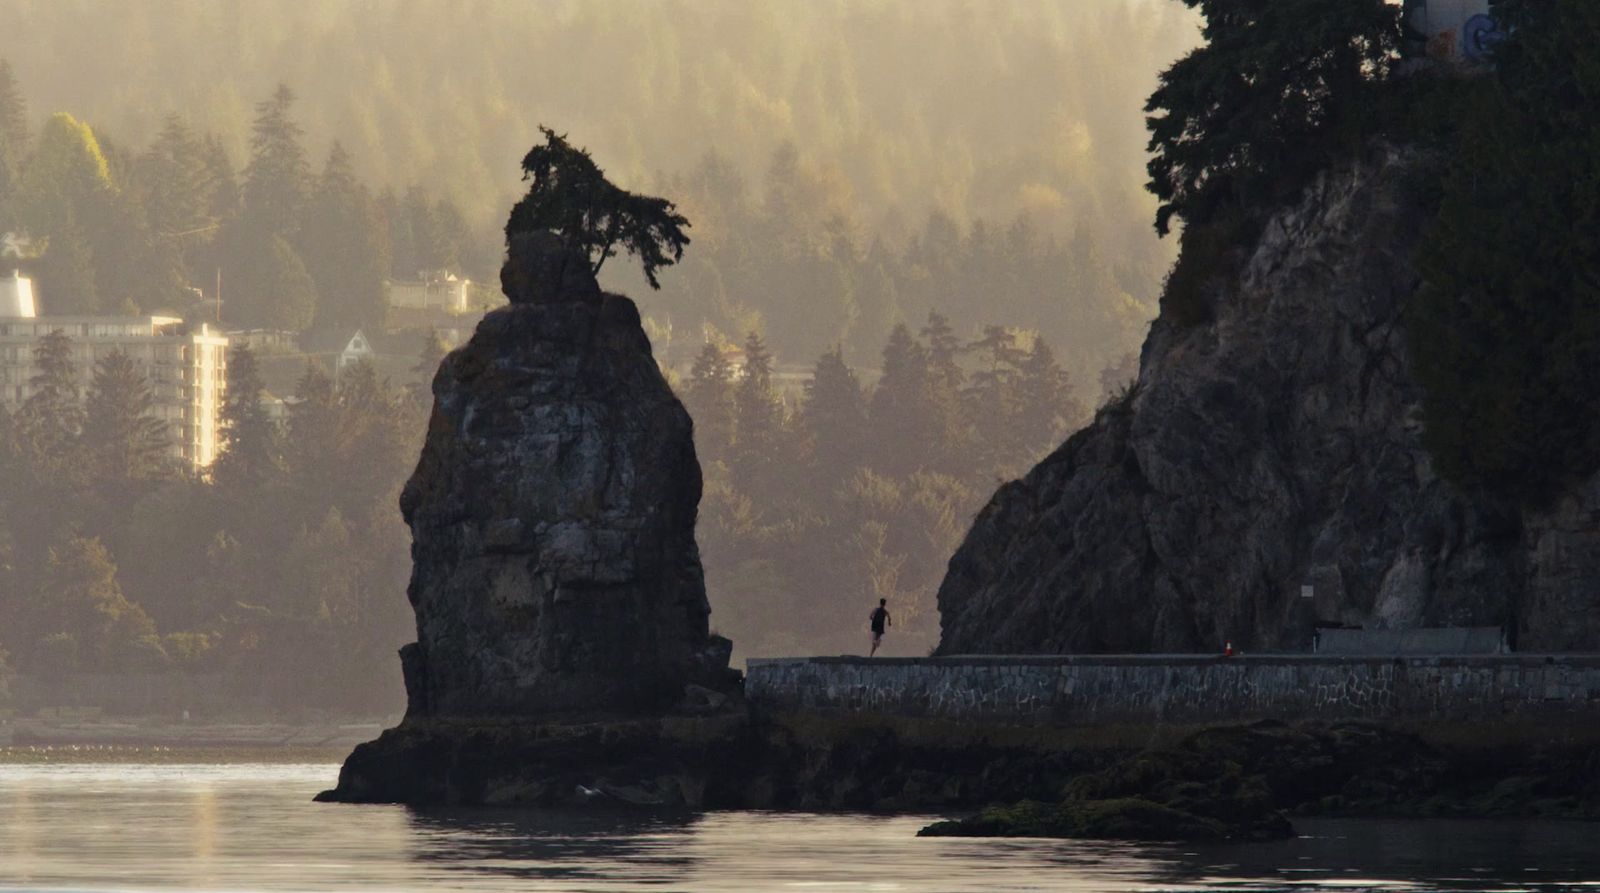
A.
x: 570, y: 196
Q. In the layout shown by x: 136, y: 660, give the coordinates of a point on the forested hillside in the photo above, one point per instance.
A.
x: 936, y: 208
x: 836, y: 158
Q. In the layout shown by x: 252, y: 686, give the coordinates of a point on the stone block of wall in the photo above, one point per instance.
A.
x: 1057, y: 690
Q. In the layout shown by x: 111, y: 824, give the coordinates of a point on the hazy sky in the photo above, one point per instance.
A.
x: 977, y: 108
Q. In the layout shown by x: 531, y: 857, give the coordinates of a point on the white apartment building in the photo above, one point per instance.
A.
x: 187, y: 367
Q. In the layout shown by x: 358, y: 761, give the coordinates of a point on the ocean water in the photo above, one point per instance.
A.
x: 101, y: 826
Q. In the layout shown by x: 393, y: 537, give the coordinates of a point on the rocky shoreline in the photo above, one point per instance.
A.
x: 1243, y: 782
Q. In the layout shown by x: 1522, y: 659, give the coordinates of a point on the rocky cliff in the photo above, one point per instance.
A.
x: 561, y: 608
x: 552, y: 513
x: 1272, y: 448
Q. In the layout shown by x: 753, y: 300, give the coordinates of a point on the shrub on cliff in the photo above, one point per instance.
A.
x: 1505, y: 334
x: 1277, y: 90
x: 1278, y: 86
x: 571, y: 197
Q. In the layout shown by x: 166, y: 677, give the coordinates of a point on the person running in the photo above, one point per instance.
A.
x: 880, y: 621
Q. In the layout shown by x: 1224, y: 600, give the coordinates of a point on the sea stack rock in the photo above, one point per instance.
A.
x: 563, y: 655
x: 552, y: 513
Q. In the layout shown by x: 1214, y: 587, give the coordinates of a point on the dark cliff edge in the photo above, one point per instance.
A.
x: 1275, y: 446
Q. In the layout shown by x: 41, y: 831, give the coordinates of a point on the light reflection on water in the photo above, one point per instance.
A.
x: 252, y: 827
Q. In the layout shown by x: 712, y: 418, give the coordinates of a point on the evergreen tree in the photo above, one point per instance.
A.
x: 1252, y: 112
x: 177, y: 182
x: 122, y: 439
x: 401, y: 234
x: 943, y: 350
x: 993, y: 399
x: 312, y: 443
x: 568, y: 194
x: 66, y: 283
x: 835, y: 417
x: 441, y: 234
x: 134, y: 269
x: 264, y: 281
x: 345, y: 252
x: 757, y: 414
x: 220, y: 177
x: 276, y: 178
x: 944, y: 383
x: 1505, y: 333
x: 904, y: 431
x: 13, y: 141
x: 1045, y: 405
x: 710, y: 399
x: 251, y: 448
x: 52, y: 416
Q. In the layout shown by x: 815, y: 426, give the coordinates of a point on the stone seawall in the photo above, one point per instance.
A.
x: 1055, y: 690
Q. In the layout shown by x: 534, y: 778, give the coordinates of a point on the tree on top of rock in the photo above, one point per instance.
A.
x: 571, y: 197
x: 1251, y: 113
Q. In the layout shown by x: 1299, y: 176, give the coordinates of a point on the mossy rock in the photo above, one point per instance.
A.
x: 1128, y: 818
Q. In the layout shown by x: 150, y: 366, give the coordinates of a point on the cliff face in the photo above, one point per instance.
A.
x: 552, y: 513
x: 1275, y: 447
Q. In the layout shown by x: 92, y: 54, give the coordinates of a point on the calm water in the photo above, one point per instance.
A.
x: 252, y: 827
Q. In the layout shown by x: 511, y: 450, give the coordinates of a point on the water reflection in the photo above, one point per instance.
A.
x: 556, y: 844
x: 1404, y: 855
x: 253, y: 828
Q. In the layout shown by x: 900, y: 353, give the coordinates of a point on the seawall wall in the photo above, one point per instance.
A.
x: 1075, y: 690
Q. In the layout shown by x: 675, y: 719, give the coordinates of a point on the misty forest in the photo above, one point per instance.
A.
x: 885, y: 311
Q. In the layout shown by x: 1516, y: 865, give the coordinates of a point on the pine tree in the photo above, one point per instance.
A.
x: 13, y: 140
x: 835, y: 417
x: 50, y: 419
x: 276, y: 179
x: 177, y: 182
x: 312, y: 439
x: 1253, y: 111
x: 1045, y: 405
x: 992, y: 399
x: 345, y: 250
x: 224, y: 201
x: 903, y: 428
x: 264, y: 281
x: 66, y: 283
x: 945, y: 380
x: 445, y: 236
x: 710, y: 400
x: 757, y: 414
x: 123, y: 440
x: 251, y: 447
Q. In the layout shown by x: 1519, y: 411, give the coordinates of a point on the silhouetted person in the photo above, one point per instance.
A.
x: 880, y: 621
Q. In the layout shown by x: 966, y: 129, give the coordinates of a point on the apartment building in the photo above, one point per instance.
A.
x: 186, y: 365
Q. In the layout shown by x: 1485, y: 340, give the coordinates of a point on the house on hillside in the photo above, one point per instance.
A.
x: 356, y: 350
x: 438, y: 290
